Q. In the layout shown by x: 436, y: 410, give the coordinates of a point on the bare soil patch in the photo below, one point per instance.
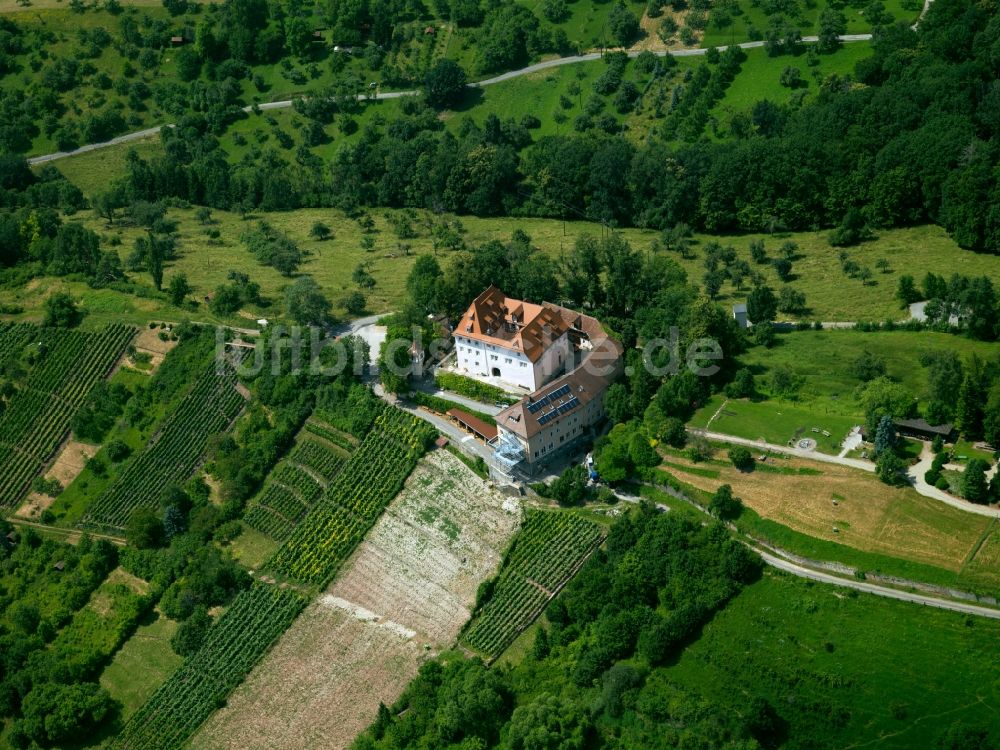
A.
x: 402, y: 597
x: 317, y: 687
x: 867, y: 514
x: 149, y: 342
x: 69, y: 462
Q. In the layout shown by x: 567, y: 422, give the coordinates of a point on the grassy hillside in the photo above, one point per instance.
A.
x: 829, y: 294
x: 844, y: 670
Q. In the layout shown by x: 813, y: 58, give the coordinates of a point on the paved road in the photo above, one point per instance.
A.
x: 459, y: 437
x: 871, y: 588
x: 854, y: 463
x: 385, y: 95
x: 812, y: 574
x: 916, y: 475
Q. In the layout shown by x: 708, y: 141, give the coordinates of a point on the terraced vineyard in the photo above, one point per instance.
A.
x: 174, y: 453
x: 328, y: 534
x: 37, y: 419
x: 295, y: 485
x: 549, y: 549
x: 238, y: 640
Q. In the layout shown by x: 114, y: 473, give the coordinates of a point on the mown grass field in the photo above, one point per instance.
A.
x: 759, y: 75
x: 252, y: 548
x: 856, y: 667
x: 852, y: 507
x: 142, y: 664
x: 825, y: 392
x: 774, y: 422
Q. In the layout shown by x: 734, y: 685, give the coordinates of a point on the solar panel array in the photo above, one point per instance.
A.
x: 559, y: 410
x: 556, y: 394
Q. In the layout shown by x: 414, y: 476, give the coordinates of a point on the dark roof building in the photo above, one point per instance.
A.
x: 923, y: 430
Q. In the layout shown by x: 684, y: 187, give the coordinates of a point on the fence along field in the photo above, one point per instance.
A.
x: 354, y: 500
x: 254, y: 621
x: 549, y: 549
x: 295, y: 485
x: 174, y: 453
x: 38, y: 415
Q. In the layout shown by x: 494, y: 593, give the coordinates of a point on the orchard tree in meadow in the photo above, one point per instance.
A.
x: 362, y: 277
x: 179, y: 289
x: 762, y: 306
x: 444, y: 84
x: 783, y: 267
x: 832, y: 25
x: 355, y: 303
x: 791, y: 301
x: 677, y: 239
x: 61, y: 311
x: 712, y: 283
x: 757, y: 252
x: 305, y: 302
x: 622, y: 24
x: 321, y: 232
x: 741, y: 458
x: 724, y: 504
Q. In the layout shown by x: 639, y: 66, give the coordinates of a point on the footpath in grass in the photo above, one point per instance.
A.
x: 840, y: 668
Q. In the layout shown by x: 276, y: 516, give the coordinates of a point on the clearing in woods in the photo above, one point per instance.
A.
x: 403, y: 596
x: 867, y: 514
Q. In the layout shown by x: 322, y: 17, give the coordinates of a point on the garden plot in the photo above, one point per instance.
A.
x: 404, y: 594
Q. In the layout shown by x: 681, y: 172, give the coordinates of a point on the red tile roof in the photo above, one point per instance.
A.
x: 495, y: 318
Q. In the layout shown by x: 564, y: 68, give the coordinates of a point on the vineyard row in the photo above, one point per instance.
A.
x: 331, y: 530
x: 549, y: 548
x: 234, y: 645
x: 174, y: 453
x: 37, y: 418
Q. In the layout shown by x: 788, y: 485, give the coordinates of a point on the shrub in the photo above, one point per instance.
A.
x: 741, y: 458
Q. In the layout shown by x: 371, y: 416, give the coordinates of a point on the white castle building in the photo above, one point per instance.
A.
x: 516, y: 342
